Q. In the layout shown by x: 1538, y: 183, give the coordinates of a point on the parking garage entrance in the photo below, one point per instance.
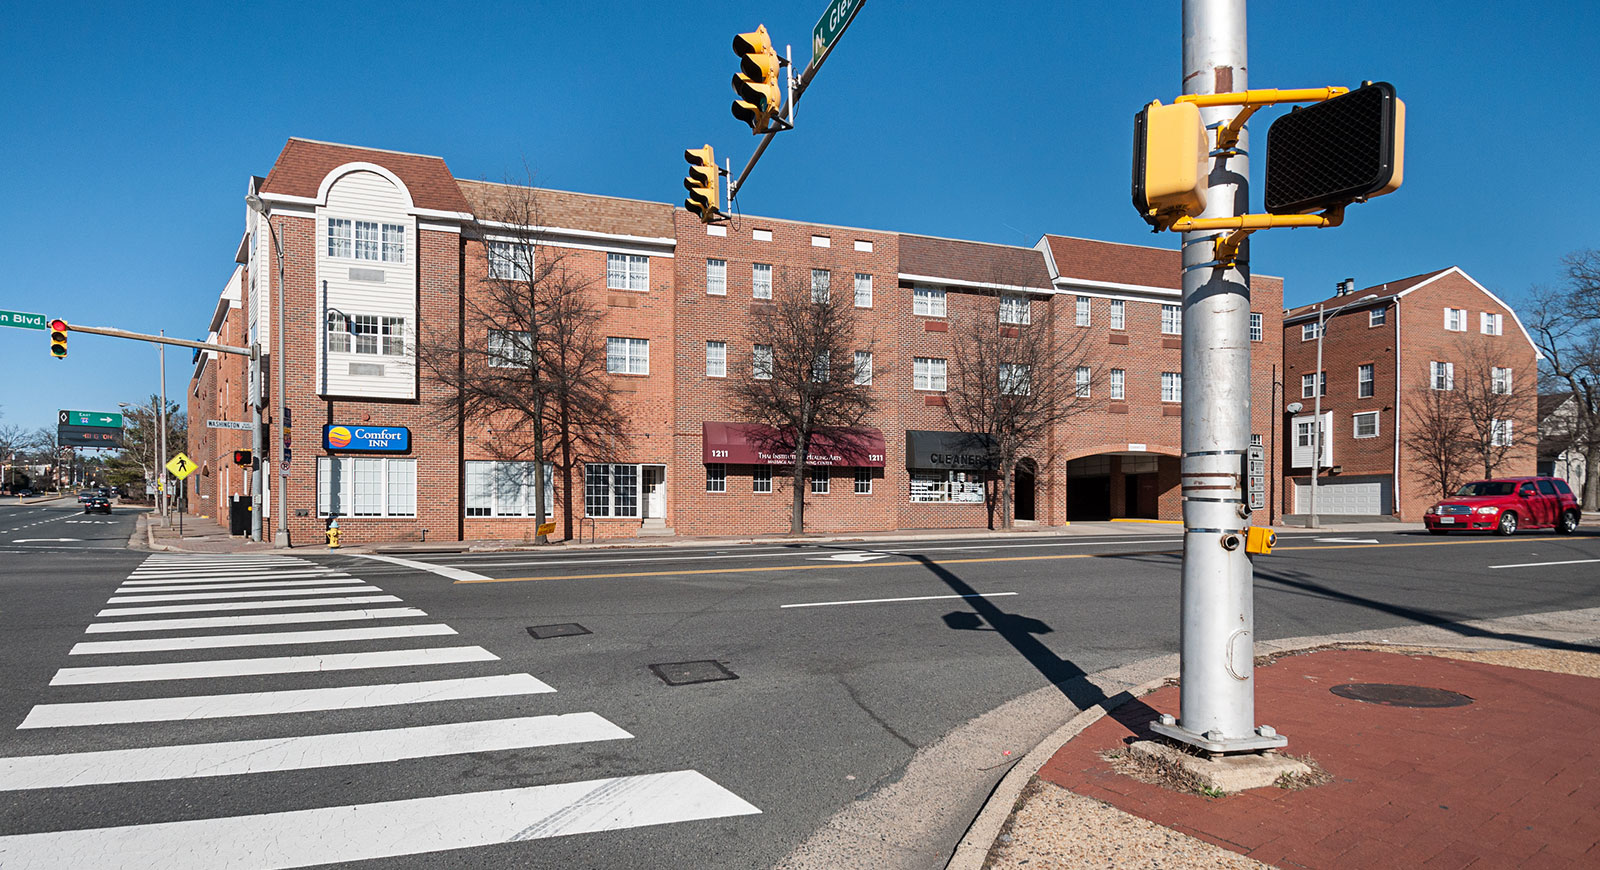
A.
x: 1109, y: 486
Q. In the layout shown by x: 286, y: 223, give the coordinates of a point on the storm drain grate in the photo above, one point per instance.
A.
x: 560, y: 629
x: 685, y: 673
x: 1391, y: 695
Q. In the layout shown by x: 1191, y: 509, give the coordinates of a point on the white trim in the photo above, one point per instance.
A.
x: 341, y: 171
x: 1066, y: 284
x: 589, y: 240
x: 976, y: 285
x: 1537, y: 355
x: 438, y: 227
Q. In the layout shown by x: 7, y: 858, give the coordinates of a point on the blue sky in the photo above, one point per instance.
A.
x: 130, y: 132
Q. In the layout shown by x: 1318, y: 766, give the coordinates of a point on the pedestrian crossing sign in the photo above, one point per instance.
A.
x: 181, y: 466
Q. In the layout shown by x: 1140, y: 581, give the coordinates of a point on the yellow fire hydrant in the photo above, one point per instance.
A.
x: 333, y: 535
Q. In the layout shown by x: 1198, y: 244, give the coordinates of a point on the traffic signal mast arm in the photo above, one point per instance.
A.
x: 1228, y: 134
x: 161, y: 339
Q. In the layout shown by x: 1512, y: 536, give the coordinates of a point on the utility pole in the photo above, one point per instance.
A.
x: 1217, y: 668
x: 161, y: 439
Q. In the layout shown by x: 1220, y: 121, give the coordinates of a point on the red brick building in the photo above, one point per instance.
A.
x: 383, y: 250
x: 1385, y: 350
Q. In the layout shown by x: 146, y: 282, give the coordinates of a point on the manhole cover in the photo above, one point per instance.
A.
x: 684, y: 673
x: 1391, y: 695
x: 560, y: 629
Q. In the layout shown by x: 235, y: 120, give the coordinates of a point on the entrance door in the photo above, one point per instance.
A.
x: 1022, y: 485
x: 653, y: 480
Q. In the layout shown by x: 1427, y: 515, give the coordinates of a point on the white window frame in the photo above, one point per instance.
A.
x: 1455, y: 320
x: 610, y: 490
x: 1119, y: 385
x: 716, y: 277
x: 716, y: 359
x: 1309, y: 384
x: 628, y: 272
x: 1300, y: 454
x: 1083, y: 312
x: 341, y: 239
x: 1172, y: 387
x: 761, y: 281
x: 761, y: 479
x: 1356, y: 421
x: 957, y: 487
x: 1119, y: 314
x: 1083, y: 377
x: 632, y: 353
x: 1500, y: 432
x: 1441, y: 375
x: 1015, y: 309
x: 485, y: 488
x: 928, y: 301
x: 338, y: 332
x: 821, y: 479
x: 1171, y: 320
x: 822, y: 367
x: 1016, y: 379
x: 761, y: 362
x: 1365, y: 381
x: 1500, y: 380
x: 716, y: 477
x: 1489, y: 323
x: 395, y: 501
x: 1308, y: 331
x: 509, y: 261
x: 1257, y: 330
x: 863, y: 290
x: 1377, y: 316
x: 508, y: 349
x: 863, y: 480
x: 929, y: 373
x: 821, y: 286
x: 863, y: 368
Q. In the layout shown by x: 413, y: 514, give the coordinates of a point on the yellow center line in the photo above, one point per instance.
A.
x: 1422, y: 544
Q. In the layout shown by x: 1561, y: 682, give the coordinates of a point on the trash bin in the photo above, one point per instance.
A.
x: 239, y: 515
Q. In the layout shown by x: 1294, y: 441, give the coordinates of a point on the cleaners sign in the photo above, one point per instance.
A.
x: 366, y: 439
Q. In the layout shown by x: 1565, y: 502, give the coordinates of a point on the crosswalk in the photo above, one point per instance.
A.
x: 169, y: 641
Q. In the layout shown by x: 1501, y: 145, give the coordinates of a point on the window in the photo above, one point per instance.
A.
x: 1500, y: 433
x: 1119, y: 314
x: 1308, y: 331
x: 629, y: 356
x: 716, y: 359
x: 1082, y: 314
x: 369, y: 333
x: 338, y: 333
x: 394, y: 243
x: 863, y: 367
x: 1377, y: 317
x: 1015, y: 379
x: 506, y: 489
x: 510, y: 261
x: 819, y: 480
x: 716, y: 477
x: 1364, y: 381
x: 927, y: 302
x: 508, y: 350
x: 863, y: 481
x: 1442, y: 375
x: 610, y: 490
x: 359, y: 486
x: 1171, y: 320
x: 928, y: 374
x: 820, y: 365
x: 964, y: 487
x: 1083, y: 376
x: 1309, y: 384
x: 761, y: 479
x: 627, y: 272
x: 821, y: 286
x: 394, y: 336
x: 1366, y: 424
x: 366, y: 240
x: 761, y: 281
x: 1171, y: 387
x: 1015, y: 309
x: 1255, y: 326
x: 1303, y: 451
x: 863, y: 290
x: 339, y: 238
x: 1455, y: 319
x: 1119, y: 380
x: 1500, y: 381
x: 1488, y: 323
x: 716, y: 277
x: 761, y: 362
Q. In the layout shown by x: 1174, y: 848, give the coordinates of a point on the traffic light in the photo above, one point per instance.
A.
x: 58, y: 339
x: 756, y: 84
x: 701, y: 183
x: 1170, y: 148
x: 241, y: 457
x: 1335, y: 152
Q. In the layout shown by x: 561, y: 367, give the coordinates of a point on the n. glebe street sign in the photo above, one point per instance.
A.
x: 830, y: 25
x: 23, y: 320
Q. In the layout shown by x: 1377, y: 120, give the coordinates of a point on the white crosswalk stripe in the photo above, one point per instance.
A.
x: 295, y: 836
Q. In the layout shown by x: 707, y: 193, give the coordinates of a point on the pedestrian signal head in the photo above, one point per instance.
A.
x: 1330, y: 154
x: 702, y: 182
x: 58, y: 339
x: 1170, y: 147
x: 760, y: 97
x: 241, y: 457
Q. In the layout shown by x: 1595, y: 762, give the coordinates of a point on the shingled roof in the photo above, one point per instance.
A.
x: 304, y: 163
x: 1388, y: 288
x: 973, y: 262
x: 578, y: 211
x: 1114, y: 263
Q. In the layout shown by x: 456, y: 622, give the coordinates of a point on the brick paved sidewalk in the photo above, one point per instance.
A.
x: 1510, y: 780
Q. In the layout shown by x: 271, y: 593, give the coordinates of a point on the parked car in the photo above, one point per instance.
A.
x: 23, y: 492
x: 1506, y: 504
x: 97, y: 502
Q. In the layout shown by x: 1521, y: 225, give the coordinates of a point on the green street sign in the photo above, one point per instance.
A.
x: 107, y: 419
x: 23, y: 320
x: 830, y: 25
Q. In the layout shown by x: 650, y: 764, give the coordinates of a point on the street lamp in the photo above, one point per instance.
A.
x: 1316, y: 414
x: 281, y: 538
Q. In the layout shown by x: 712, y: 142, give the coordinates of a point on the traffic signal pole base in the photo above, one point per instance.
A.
x: 1229, y: 773
x: 280, y: 540
x: 1217, y: 744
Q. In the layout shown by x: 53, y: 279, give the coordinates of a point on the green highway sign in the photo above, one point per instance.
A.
x: 91, y: 418
x: 23, y: 320
x: 830, y: 25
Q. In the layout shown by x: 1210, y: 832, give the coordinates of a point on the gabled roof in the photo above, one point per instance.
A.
x: 573, y: 211
x: 1382, y: 291
x: 1114, y: 263
x: 304, y: 164
x: 973, y: 263
x: 1550, y: 402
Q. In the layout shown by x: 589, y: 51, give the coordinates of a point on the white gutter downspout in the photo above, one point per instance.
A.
x: 1398, y: 370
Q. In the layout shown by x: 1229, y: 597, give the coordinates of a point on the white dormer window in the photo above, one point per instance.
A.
x: 366, y: 240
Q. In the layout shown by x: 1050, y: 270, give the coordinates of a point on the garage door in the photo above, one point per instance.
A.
x: 1346, y: 495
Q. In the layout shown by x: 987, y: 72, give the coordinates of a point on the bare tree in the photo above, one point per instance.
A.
x: 1015, y: 375
x: 536, y: 376
x: 1565, y: 324
x: 1489, y: 405
x: 139, y: 461
x: 804, y: 378
x: 1435, y: 439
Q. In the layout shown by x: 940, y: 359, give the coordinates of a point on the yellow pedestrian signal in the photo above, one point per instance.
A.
x: 702, y: 183
x: 756, y: 84
x: 58, y: 339
x: 1170, y: 150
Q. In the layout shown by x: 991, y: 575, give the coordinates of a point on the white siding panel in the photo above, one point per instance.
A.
x: 367, y: 196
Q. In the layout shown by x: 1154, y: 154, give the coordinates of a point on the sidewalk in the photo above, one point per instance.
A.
x: 200, y: 535
x: 1510, y: 779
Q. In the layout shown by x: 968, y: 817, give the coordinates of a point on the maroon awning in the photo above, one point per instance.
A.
x: 756, y: 444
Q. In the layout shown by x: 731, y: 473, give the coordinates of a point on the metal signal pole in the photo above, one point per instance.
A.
x: 1217, y: 707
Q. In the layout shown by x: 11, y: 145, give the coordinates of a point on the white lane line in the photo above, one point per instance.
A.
x: 442, y: 570
x: 272, y: 638
x: 188, y: 761
x: 276, y: 665
x: 194, y: 586
x: 259, y: 619
x: 245, y: 605
x: 274, y: 703
x: 248, y: 593
x: 890, y: 600
x: 361, y: 832
x: 176, y: 576
x: 1540, y: 564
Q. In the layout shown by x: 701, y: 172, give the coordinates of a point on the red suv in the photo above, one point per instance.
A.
x: 1505, y: 505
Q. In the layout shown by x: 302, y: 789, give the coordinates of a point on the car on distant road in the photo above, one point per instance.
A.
x: 97, y: 502
x: 85, y: 494
x: 1506, y: 504
x: 23, y: 493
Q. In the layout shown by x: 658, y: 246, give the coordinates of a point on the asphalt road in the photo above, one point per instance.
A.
x: 838, y: 663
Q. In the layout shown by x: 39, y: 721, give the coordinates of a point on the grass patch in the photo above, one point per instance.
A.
x: 1155, y: 770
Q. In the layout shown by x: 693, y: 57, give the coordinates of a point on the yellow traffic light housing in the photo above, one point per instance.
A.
x: 760, y: 94
x: 702, y: 183
x: 58, y: 339
x: 1170, y: 148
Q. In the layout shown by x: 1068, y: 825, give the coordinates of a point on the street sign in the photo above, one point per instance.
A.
x: 283, y: 470
x: 23, y: 320
x: 109, y: 419
x: 228, y: 424
x: 830, y: 25
x: 1256, y: 478
x: 181, y: 466
x: 547, y: 529
x: 88, y: 436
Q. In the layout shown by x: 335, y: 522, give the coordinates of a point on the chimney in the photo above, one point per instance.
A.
x: 1346, y: 287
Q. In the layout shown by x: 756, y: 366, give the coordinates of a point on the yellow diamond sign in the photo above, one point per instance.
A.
x: 181, y: 466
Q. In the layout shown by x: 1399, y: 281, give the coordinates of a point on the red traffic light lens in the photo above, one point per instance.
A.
x: 58, y: 325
